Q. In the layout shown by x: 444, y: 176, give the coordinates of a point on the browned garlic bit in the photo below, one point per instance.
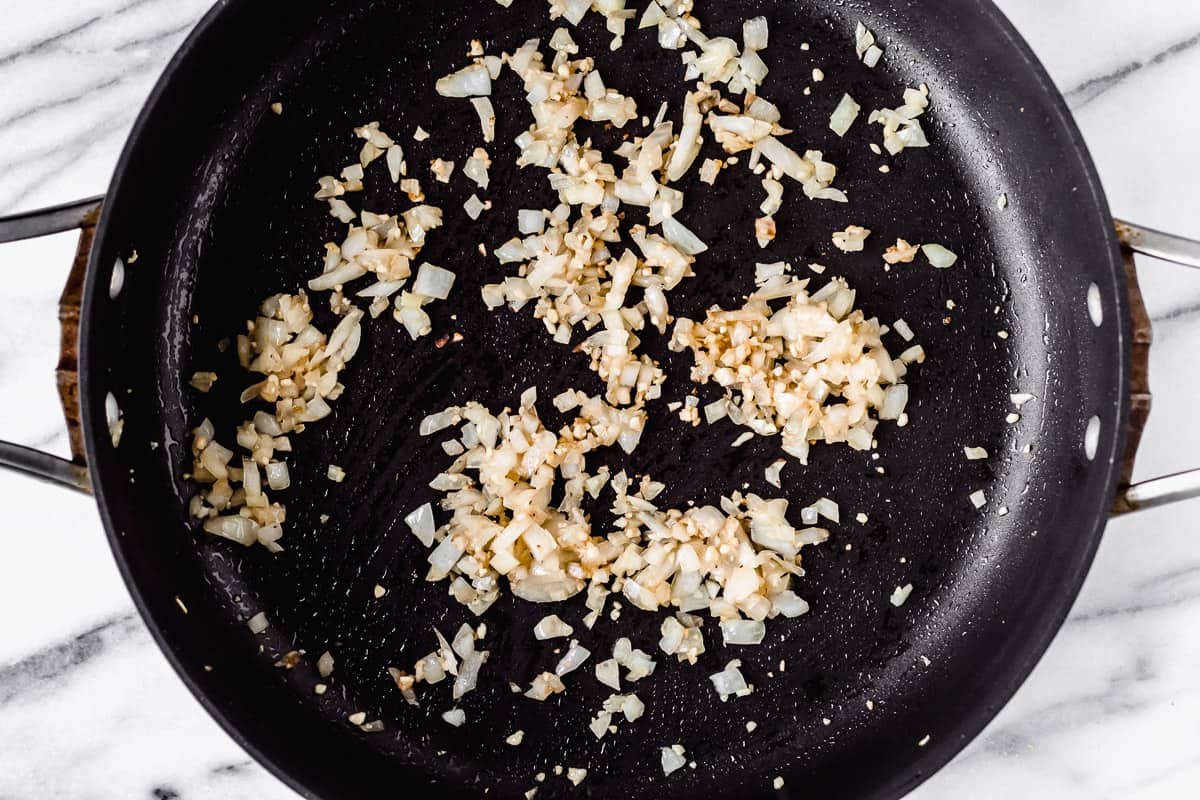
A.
x: 852, y: 239
x: 901, y: 252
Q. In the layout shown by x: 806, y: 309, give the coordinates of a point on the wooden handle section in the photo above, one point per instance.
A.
x: 69, y: 310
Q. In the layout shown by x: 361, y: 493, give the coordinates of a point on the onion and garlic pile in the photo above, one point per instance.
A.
x: 301, y: 366
x: 383, y: 246
x: 735, y: 561
x: 784, y: 370
x: 569, y: 266
x: 299, y: 363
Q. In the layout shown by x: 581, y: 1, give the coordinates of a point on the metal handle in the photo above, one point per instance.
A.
x: 1156, y: 244
x: 1182, y: 485
x: 81, y: 215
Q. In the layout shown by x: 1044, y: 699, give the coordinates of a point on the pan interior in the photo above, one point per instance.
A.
x: 217, y: 199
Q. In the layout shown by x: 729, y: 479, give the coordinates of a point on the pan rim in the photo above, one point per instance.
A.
x: 934, y: 757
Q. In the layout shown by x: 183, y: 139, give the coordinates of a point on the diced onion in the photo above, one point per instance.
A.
x: 469, y: 81
x: 681, y: 237
x: 900, y: 595
x: 672, y: 760
x: 939, y: 256
x: 468, y: 673
x: 730, y: 681
x: 433, y: 281
x: 772, y: 472
x: 436, y: 422
x: 608, y: 672
x: 828, y: 509
x: 545, y: 685
x: 575, y: 656
x: 420, y: 522
x: 551, y: 627
x: 844, y: 115
x: 743, y: 631
x: 487, y: 117
x: 277, y: 475
x: 755, y: 33
x: 789, y: 604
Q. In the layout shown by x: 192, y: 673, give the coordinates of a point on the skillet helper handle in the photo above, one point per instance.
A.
x: 1182, y: 485
x: 81, y: 215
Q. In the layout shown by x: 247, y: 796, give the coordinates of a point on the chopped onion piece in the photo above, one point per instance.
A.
x: 487, y: 117
x: 236, y: 528
x: 681, y: 237
x: 469, y: 81
x: 420, y: 521
x: 672, y: 759
x: 789, y: 604
x: 900, y: 595
x: 545, y: 685
x: 844, y: 115
x: 551, y: 627
x: 729, y: 682
x: 575, y: 656
x: 975, y: 453
x: 755, y: 34
x: 599, y: 726
x: 455, y: 717
x: 436, y: 422
x: 443, y: 558
x: 474, y: 207
x: 258, y: 623
x: 851, y: 240
x: 468, y: 673
x: 772, y: 472
x: 939, y: 256
x: 277, y: 475
x: 743, y: 631
x: 608, y: 672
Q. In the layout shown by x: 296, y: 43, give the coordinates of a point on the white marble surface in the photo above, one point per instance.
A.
x: 90, y: 709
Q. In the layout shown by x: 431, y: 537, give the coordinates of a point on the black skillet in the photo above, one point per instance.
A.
x: 213, y: 193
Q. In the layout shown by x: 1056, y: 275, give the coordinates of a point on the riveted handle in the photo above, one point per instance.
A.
x: 82, y: 215
x: 1170, y: 488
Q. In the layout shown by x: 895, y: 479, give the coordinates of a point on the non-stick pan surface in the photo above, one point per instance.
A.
x: 215, y: 195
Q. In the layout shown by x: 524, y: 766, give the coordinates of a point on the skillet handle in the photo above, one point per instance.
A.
x: 1182, y: 485
x: 81, y: 215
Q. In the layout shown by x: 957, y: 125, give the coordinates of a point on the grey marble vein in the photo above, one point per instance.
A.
x: 159, y: 37
x: 1175, y: 313
x: 103, y: 84
x: 35, y: 47
x: 41, y: 670
x: 1089, y: 90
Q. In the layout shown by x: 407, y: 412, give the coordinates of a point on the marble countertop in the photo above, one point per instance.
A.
x: 89, y: 707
